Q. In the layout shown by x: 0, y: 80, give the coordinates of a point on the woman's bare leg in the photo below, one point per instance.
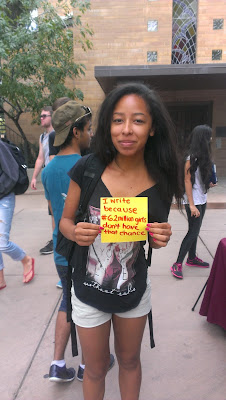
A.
x: 128, y: 336
x: 2, y: 279
x: 96, y: 353
x: 27, y: 264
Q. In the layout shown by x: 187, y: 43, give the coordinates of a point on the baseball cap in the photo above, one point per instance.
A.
x: 64, y: 117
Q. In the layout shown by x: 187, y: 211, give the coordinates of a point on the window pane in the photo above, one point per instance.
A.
x: 152, y: 56
x: 218, y: 24
x: 152, y: 26
x: 216, y: 54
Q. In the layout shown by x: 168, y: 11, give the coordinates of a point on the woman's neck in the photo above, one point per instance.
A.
x: 127, y: 164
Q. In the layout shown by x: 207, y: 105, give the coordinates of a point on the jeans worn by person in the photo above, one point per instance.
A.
x: 7, y: 205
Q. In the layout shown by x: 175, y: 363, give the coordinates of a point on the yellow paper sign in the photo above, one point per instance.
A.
x: 124, y: 219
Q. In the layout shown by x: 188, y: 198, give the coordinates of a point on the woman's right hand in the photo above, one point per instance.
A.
x: 194, y: 212
x: 85, y: 233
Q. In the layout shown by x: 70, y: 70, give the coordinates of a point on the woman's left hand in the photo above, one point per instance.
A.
x: 159, y: 234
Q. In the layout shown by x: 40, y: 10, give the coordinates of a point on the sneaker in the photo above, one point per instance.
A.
x: 61, y: 374
x: 59, y: 285
x: 197, y: 262
x: 48, y: 248
x: 80, y: 373
x: 176, y: 270
x: 81, y: 370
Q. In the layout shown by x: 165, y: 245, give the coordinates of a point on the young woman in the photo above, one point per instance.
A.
x: 9, y: 171
x: 135, y: 141
x: 197, y: 175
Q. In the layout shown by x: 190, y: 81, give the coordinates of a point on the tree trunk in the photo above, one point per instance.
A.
x: 26, y: 147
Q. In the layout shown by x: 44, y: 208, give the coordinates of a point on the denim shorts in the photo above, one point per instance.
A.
x: 62, y: 272
x: 89, y: 317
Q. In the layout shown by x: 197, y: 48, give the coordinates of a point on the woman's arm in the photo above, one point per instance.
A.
x: 188, y: 189
x: 83, y: 233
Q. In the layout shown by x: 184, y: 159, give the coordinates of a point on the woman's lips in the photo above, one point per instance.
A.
x: 126, y: 143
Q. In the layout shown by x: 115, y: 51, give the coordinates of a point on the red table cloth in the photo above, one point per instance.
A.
x: 214, y: 302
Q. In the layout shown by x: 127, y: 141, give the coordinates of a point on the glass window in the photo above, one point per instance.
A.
x: 218, y: 24
x: 152, y: 56
x: 152, y: 25
x: 216, y: 54
x: 184, y: 32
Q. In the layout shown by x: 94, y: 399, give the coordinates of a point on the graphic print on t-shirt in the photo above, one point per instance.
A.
x: 110, y: 265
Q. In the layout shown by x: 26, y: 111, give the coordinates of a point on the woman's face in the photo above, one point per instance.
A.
x: 131, y: 125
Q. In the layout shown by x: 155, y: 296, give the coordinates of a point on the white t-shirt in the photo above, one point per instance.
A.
x: 198, y: 189
x: 44, y: 139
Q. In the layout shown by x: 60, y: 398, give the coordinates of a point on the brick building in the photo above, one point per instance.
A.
x: 176, y: 46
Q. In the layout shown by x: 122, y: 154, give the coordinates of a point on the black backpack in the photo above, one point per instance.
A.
x: 23, y: 180
x: 92, y: 173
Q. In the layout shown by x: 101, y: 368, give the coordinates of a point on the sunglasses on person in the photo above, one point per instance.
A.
x: 43, y: 116
x: 87, y: 112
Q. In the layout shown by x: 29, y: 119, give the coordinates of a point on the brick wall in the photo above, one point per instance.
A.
x: 209, y: 39
x: 121, y: 38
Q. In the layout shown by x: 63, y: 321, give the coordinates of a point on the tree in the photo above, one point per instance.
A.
x: 36, y: 54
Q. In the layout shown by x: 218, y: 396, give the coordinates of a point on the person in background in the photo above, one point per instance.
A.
x: 197, y: 176
x: 73, y: 127
x: 43, y: 160
x: 9, y: 172
x: 53, y: 150
x: 135, y: 141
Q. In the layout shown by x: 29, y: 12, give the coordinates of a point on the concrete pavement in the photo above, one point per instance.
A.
x: 188, y: 362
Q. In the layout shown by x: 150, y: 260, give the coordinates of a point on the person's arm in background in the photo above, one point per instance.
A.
x: 38, y: 166
x: 188, y: 189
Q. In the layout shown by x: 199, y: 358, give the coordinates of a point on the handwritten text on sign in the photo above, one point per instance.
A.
x: 124, y: 219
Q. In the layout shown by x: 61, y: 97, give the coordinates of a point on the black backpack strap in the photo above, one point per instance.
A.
x: 148, y: 259
x: 150, y: 323
x: 92, y: 173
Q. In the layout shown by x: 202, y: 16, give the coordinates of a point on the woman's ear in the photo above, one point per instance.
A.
x: 152, y: 132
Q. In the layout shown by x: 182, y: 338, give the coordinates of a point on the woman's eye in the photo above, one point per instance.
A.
x: 117, y: 120
x: 139, y: 121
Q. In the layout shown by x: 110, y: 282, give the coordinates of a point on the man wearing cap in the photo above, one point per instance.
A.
x: 72, y: 124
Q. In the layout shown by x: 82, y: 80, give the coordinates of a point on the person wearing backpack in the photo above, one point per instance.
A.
x: 135, y: 142
x: 43, y: 159
x: 9, y: 174
x: 73, y: 126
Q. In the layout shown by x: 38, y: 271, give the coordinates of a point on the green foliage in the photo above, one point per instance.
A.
x: 36, y: 53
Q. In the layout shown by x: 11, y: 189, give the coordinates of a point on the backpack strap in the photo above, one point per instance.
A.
x: 92, y: 173
x: 150, y: 323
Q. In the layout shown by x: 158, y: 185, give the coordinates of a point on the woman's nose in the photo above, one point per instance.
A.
x: 127, y: 129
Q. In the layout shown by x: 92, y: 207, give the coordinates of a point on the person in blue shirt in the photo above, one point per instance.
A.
x: 73, y: 126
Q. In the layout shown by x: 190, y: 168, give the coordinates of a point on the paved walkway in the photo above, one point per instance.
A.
x: 188, y: 362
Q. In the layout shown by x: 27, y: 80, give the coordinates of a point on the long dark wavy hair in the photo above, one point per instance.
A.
x: 200, y: 153
x: 160, y: 153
